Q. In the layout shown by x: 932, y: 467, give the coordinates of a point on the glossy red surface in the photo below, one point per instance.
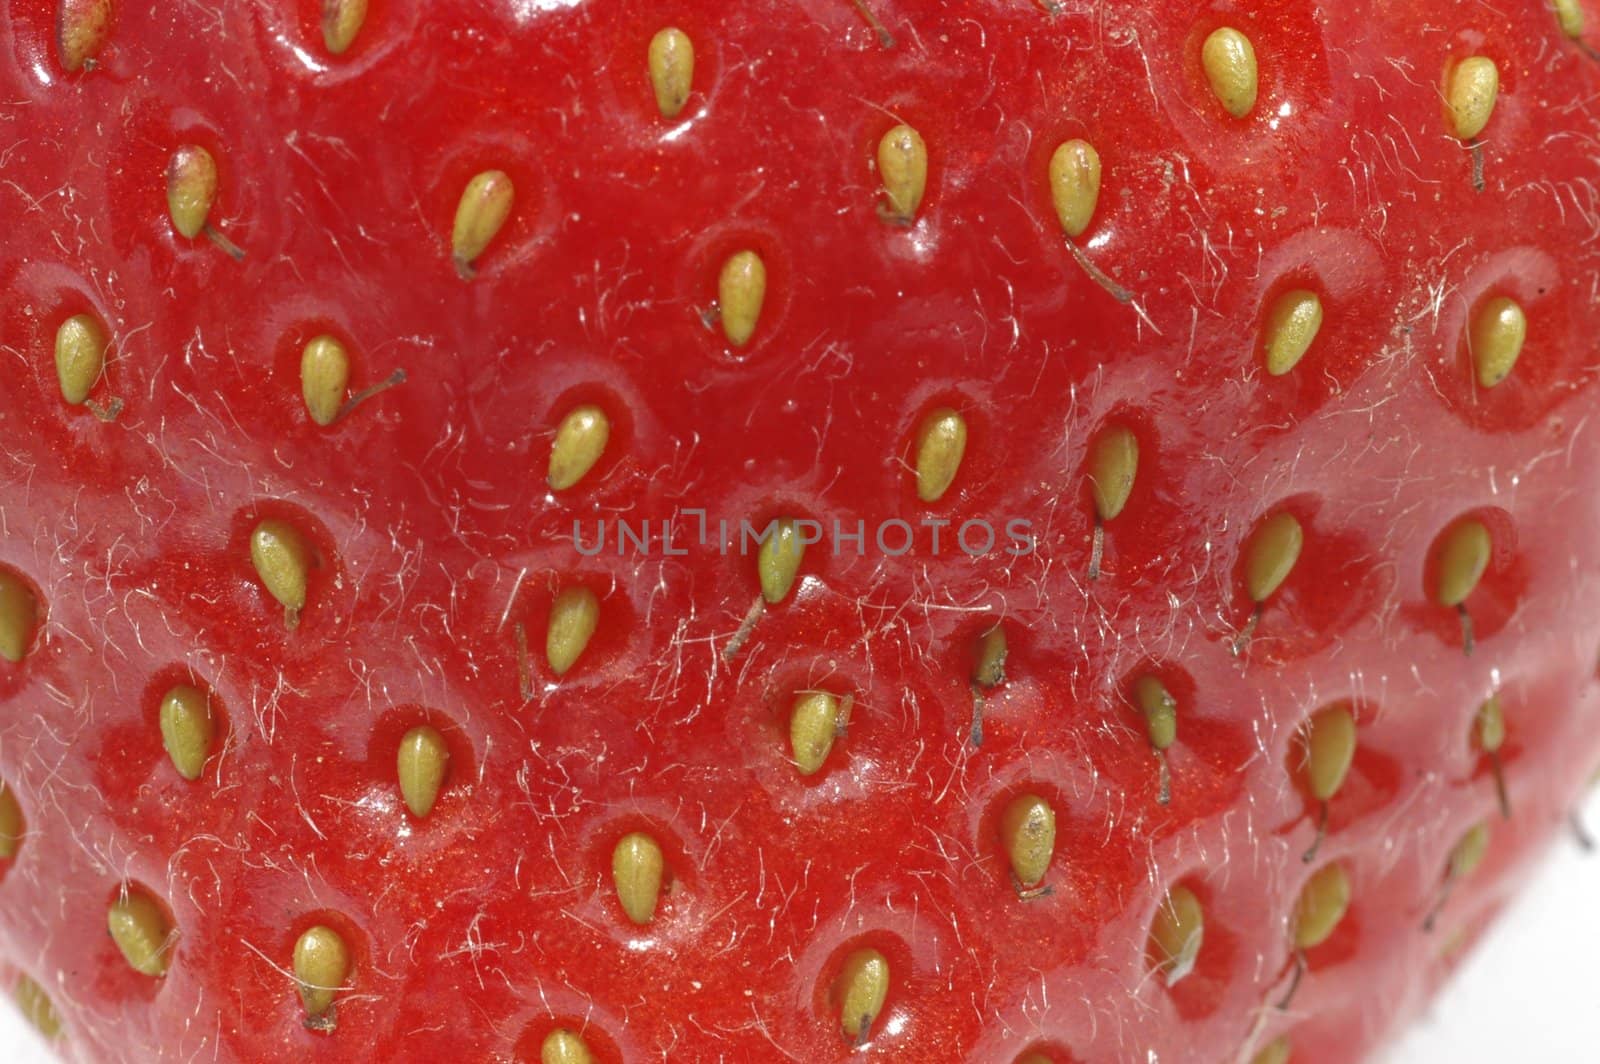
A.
x: 479, y: 929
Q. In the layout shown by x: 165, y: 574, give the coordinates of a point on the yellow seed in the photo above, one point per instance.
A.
x: 1028, y: 829
x: 1322, y: 904
x: 420, y: 767
x: 573, y: 617
x: 1469, y: 852
x: 1113, y: 464
x: 1075, y: 185
x: 282, y: 560
x: 1271, y: 554
x: 1471, y: 91
x: 778, y: 561
x: 187, y: 729
x: 1463, y: 557
x: 1498, y: 332
x: 580, y: 440
x: 11, y: 824
x: 1570, y: 17
x: 80, y: 356
x: 1490, y: 726
x: 36, y: 1008
x: 1330, y: 746
x: 1275, y: 1052
x: 82, y: 27
x: 1291, y: 326
x: 140, y: 929
x: 341, y: 21
x: 1035, y: 1058
x: 990, y: 670
x: 324, y: 375
x: 741, y: 289
x: 671, y: 61
x: 191, y: 189
x: 1230, y: 64
x: 814, y: 723
x: 903, y: 165
x: 1176, y: 934
x: 862, y: 987
x: 485, y: 205
x: 19, y: 614
x: 321, y: 966
x: 1160, y: 710
x: 562, y: 1046
x: 941, y: 443
x: 636, y: 871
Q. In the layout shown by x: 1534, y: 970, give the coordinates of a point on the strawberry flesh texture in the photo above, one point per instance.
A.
x: 478, y: 929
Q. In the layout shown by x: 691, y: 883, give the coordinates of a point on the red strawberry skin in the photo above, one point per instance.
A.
x: 478, y: 929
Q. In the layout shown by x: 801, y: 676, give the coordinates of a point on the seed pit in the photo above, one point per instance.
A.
x: 1303, y: 613
x: 569, y: 627
x: 282, y: 559
x: 13, y: 828
x: 1461, y: 603
x: 736, y: 289
x: 741, y: 295
x: 1471, y: 89
x: 144, y: 751
x: 188, y: 724
x: 580, y: 440
x: 1495, y: 339
x: 565, y: 1038
x: 574, y: 616
x: 285, y: 557
x: 1074, y: 178
x: 1479, y: 380
x: 1465, y: 859
x: 589, y: 442
x: 1277, y: 1051
x: 937, y: 447
x: 643, y: 873
x: 321, y: 967
x: 1367, y: 785
x: 1325, y: 921
x: 37, y: 1008
x: 902, y: 159
x: 142, y: 929
x: 1229, y: 60
x: 339, y: 35
x: 1112, y: 470
x: 342, y: 20
x: 1328, y: 741
x: 861, y: 985
x: 324, y: 953
x: 80, y: 358
x: 20, y: 616
x: 83, y: 27
x: 670, y: 62
x: 1198, y: 772
x: 1293, y: 320
x: 1046, y: 1053
x: 383, y: 757
x: 1027, y: 841
x: 422, y: 765
x: 817, y: 720
x: 1204, y: 985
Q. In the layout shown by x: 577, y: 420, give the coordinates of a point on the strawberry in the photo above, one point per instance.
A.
x: 573, y: 532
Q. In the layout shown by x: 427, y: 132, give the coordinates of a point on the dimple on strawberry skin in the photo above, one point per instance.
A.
x: 326, y: 323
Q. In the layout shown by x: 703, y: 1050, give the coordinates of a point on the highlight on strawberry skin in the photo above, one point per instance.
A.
x: 1017, y: 531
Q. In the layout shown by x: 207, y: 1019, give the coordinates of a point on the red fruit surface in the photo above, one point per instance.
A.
x: 479, y: 928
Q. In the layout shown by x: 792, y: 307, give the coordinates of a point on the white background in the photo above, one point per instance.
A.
x: 1527, y: 993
